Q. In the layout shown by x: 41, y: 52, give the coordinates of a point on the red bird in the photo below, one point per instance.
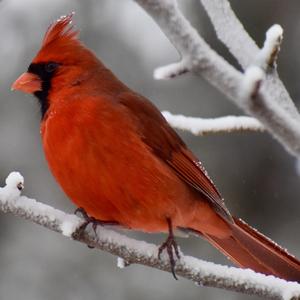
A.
x: 116, y: 157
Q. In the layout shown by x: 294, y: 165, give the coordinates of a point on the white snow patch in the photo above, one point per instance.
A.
x: 13, y: 179
x: 14, y: 185
x: 11, y: 200
x: 252, y: 77
x: 69, y: 225
x: 121, y: 263
x: 199, y: 126
x: 273, y: 39
x: 172, y: 70
x: 139, y: 247
x: 270, y: 284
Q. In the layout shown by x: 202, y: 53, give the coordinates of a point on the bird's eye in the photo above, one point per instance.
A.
x: 51, y: 67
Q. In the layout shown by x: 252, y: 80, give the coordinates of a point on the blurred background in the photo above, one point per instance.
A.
x: 255, y: 175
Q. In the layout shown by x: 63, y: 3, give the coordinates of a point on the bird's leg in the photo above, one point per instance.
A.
x: 91, y: 220
x: 171, y: 246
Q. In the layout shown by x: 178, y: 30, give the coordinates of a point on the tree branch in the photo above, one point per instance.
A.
x: 138, y: 252
x: 272, y: 105
x: 268, y: 55
x: 201, y: 126
x: 244, y: 48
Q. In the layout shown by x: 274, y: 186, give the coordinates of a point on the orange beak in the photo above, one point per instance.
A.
x: 27, y: 83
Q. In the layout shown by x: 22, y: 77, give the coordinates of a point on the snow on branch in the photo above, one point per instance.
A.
x: 171, y: 71
x: 203, y: 126
x: 130, y: 251
x: 244, y: 48
x: 251, y: 82
x: 272, y: 105
x: 267, y: 56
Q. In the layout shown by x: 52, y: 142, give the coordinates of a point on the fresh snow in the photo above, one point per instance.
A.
x: 172, y: 70
x: 12, y: 201
x: 271, y: 44
x: 252, y: 77
x: 11, y: 190
x: 267, y: 284
x: 199, y: 126
x: 121, y: 263
x: 69, y: 225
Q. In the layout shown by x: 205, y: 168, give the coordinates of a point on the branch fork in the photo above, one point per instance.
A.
x: 268, y: 100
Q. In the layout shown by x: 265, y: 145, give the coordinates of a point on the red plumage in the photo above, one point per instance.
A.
x: 115, y: 155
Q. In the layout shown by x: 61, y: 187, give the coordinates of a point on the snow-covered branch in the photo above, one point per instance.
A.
x: 272, y: 105
x: 131, y: 251
x: 267, y: 56
x: 203, y: 126
x: 251, y: 84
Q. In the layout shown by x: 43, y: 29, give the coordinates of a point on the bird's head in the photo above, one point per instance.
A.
x: 61, y: 61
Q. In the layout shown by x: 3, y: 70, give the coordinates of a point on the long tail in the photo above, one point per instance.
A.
x: 250, y: 249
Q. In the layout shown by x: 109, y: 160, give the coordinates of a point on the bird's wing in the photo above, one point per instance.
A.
x: 168, y: 146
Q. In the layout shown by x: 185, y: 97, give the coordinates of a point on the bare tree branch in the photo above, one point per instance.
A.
x: 271, y: 105
x: 138, y: 252
x: 203, y: 126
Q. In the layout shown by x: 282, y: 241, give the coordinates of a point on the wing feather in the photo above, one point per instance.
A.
x: 168, y: 146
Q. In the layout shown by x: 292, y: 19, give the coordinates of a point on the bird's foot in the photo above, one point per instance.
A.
x: 90, y: 220
x: 171, y: 247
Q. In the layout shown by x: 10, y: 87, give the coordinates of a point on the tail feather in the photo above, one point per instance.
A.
x: 248, y: 248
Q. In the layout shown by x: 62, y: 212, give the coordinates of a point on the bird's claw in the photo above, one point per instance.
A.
x: 171, y: 247
x: 90, y: 220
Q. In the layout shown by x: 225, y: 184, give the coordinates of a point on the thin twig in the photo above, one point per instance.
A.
x: 204, y: 126
x: 268, y: 55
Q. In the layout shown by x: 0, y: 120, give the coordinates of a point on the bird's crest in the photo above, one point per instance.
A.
x: 61, y: 29
x: 60, y: 41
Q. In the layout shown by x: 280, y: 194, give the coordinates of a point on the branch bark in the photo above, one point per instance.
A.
x: 272, y: 105
x: 138, y: 252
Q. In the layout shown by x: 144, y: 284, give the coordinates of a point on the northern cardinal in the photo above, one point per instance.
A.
x: 116, y: 157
